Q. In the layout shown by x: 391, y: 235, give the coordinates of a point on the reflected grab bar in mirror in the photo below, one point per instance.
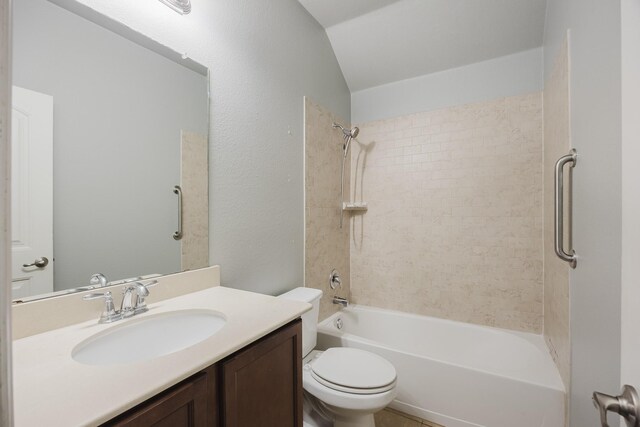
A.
x: 177, y: 235
x: 570, y: 159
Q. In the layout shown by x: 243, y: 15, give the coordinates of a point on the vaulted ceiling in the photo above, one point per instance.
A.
x: 383, y: 41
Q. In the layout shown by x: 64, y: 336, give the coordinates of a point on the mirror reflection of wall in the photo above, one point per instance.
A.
x: 120, y: 112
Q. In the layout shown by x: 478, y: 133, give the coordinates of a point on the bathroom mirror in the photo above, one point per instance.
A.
x: 105, y: 124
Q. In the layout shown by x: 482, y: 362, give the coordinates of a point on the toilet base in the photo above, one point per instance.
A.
x: 316, y: 414
x: 355, y: 421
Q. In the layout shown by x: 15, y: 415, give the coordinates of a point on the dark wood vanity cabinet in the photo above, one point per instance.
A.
x: 259, y: 385
x: 184, y: 405
x: 262, y: 384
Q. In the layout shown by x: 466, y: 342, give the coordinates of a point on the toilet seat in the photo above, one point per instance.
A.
x: 350, y: 370
x: 350, y: 401
x: 351, y: 398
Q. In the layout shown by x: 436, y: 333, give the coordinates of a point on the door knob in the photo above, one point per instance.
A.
x: 39, y: 262
x: 627, y: 405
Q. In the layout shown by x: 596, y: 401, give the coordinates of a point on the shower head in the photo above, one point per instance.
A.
x: 348, y: 133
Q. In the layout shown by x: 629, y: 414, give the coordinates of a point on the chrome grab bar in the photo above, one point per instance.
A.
x: 570, y: 159
x: 177, y: 235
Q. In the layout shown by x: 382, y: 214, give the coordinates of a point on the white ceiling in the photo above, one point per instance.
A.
x: 383, y: 41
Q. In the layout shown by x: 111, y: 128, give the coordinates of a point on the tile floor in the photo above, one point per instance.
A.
x: 392, y: 418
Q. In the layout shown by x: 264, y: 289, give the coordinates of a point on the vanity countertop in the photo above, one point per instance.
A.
x: 51, y: 389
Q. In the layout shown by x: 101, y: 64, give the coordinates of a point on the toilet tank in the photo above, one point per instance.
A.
x: 310, y: 318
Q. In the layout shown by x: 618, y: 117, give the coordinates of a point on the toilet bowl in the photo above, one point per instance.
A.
x: 343, y: 386
x: 350, y: 384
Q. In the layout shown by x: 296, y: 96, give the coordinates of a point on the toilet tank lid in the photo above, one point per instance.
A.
x: 302, y: 294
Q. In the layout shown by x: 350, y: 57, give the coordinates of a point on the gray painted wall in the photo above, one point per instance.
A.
x: 118, y: 112
x: 279, y: 54
x: 264, y: 56
x: 596, y: 134
x: 510, y: 75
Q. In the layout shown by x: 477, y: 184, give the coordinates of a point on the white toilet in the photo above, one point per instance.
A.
x: 345, y: 385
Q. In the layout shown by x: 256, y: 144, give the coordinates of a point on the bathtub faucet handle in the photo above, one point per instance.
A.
x: 334, y: 279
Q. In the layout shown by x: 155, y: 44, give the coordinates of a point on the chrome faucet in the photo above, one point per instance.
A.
x: 340, y: 301
x: 133, y: 302
x: 138, y: 290
x: 109, y: 314
x: 98, y: 279
x: 126, y: 306
x: 142, y: 291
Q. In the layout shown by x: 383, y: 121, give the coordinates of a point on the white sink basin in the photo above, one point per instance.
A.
x: 142, y: 339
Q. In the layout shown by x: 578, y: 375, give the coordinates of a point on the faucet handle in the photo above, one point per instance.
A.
x: 334, y: 279
x: 150, y: 284
x: 142, y: 291
x: 109, y: 313
x: 106, y: 295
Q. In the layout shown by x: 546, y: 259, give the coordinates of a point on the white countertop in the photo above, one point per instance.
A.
x: 51, y: 389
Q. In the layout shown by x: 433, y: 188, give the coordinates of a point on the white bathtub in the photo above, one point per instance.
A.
x: 456, y: 374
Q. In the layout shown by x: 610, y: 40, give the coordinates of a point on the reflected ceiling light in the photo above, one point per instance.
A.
x: 181, y: 6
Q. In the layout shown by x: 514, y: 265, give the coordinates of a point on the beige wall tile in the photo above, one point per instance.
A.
x: 194, y: 179
x: 454, y: 226
x: 326, y: 245
x: 556, y: 272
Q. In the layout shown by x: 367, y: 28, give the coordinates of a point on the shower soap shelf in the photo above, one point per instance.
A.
x: 355, y: 207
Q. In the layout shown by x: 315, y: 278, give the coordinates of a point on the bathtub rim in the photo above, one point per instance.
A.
x: 538, y: 341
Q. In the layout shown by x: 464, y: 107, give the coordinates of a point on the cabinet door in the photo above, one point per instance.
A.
x: 185, y: 405
x: 262, y: 384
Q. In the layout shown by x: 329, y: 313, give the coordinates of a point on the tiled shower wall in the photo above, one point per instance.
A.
x: 556, y: 272
x: 454, y: 226
x: 326, y: 245
x: 194, y: 178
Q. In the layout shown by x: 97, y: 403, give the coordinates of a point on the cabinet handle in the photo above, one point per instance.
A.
x: 571, y: 160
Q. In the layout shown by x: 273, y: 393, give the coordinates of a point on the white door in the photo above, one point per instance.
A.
x: 31, y: 193
x: 629, y: 403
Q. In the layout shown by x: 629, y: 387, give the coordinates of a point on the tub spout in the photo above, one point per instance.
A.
x: 341, y: 301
